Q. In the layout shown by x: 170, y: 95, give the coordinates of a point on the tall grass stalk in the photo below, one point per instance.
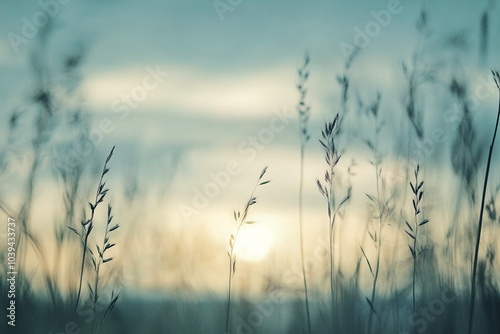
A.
x: 241, y: 219
x: 377, y: 239
x: 382, y: 206
x: 70, y: 176
x: 417, y: 73
x: 496, y: 77
x: 412, y: 231
x: 332, y: 158
x: 304, y: 114
x: 44, y: 102
x: 97, y: 262
x: 88, y: 225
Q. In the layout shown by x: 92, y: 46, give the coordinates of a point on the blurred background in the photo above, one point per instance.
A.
x: 197, y: 97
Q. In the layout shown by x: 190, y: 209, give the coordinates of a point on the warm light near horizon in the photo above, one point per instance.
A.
x: 254, y: 242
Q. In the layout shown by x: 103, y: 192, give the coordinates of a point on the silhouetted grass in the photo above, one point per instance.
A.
x: 496, y: 77
x: 363, y: 301
x: 304, y: 113
x: 240, y: 218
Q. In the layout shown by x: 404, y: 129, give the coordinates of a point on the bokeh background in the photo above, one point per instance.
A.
x: 221, y: 105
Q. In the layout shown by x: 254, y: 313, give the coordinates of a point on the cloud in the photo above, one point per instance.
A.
x: 187, y: 90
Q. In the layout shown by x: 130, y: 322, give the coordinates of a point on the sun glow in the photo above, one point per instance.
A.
x: 254, y: 242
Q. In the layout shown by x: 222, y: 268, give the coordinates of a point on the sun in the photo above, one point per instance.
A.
x: 254, y: 243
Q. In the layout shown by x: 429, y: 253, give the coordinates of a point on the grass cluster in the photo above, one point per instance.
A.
x: 57, y: 268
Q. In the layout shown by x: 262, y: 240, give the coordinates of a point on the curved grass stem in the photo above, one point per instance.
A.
x: 496, y: 77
